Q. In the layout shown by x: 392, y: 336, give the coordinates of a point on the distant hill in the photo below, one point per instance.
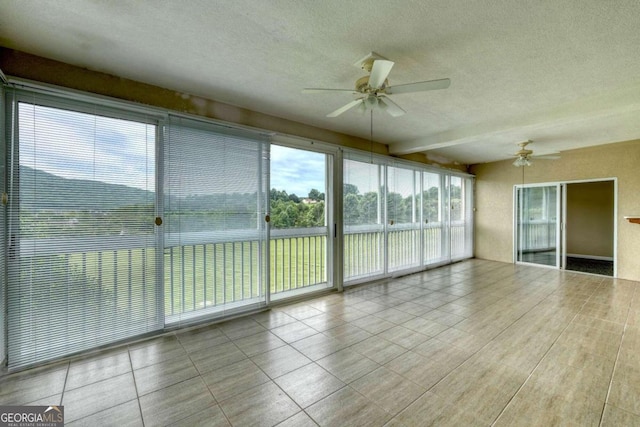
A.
x: 65, y: 194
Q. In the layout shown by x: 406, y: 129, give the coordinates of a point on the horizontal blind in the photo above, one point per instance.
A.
x: 215, y: 203
x: 363, y: 216
x: 461, y: 217
x: 401, y: 216
x: 435, y: 214
x: 82, y: 258
x: 4, y: 136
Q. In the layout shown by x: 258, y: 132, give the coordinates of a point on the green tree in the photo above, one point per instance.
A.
x: 350, y: 189
x: 351, y: 207
x: 369, y: 208
x: 316, y: 195
x: 431, y: 204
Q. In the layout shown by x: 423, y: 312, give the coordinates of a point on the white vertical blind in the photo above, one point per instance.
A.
x: 215, y: 201
x: 82, y: 239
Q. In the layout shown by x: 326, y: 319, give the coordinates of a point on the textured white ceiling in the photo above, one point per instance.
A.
x: 563, y: 73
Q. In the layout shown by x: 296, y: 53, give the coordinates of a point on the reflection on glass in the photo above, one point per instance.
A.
x: 536, y: 226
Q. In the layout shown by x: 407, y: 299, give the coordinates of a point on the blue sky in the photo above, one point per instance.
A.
x: 87, y: 146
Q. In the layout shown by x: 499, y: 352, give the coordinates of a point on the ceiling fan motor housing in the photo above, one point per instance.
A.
x: 375, y: 87
x: 362, y: 85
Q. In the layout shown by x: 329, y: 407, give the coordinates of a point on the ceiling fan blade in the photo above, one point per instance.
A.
x: 344, y: 108
x: 390, y: 107
x: 379, y: 73
x: 546, y: 157
x: 419, y: 86
x: 320, y: 90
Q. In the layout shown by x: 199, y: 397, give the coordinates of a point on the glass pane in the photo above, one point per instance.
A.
x: 403, y: 225
x: 83, y: 234
x: 362, y: 213
x: 215, y: 206
x: 456, y: 216
x: 537, y: 224
x: 433, y: 228
x: 298, y: 220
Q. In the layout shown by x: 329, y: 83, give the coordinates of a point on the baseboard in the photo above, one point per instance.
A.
x: 596, y: 257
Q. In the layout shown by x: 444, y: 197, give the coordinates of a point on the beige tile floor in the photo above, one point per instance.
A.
x: 475, y: 343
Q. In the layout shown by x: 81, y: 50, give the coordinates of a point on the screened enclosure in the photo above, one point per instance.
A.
x: 124, y: 220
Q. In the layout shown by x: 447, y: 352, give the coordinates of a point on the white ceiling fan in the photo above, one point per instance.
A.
x: 371, y: 91
x: 524, y: 155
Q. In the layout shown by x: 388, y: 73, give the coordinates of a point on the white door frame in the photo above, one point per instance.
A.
x: 561, y: 232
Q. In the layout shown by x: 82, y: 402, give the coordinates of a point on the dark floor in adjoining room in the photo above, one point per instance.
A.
x: 477, y: 343
x: 592, y: 266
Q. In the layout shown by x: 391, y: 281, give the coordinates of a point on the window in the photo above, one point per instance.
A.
x: 121, y: 221
x: 401, y: 217
x: 82, y: 259
x: 215, y: 203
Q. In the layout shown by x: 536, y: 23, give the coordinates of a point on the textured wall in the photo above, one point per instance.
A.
x: 590, y: 211
x: 494, y: 197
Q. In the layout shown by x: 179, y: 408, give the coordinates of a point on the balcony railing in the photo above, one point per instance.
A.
x: 537, y: 235
x: 363, y: 247
x: 208, y: 270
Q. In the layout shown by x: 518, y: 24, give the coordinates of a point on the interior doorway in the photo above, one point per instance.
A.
x: 567, y: 225
x: 589, y: 227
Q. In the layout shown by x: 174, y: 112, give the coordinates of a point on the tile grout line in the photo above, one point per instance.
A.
x: 470, y: 356
x: 589, y: 298
x: 188, y: 354
x: 135, y: 385
x: 271, y: 380
x: 64, y: 386
x: 615, y: 364
x: 541, y: 358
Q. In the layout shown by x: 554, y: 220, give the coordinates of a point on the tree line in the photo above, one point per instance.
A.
x: 211, y: 212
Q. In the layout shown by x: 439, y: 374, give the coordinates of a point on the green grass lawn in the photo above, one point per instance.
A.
x: 205, y: 275
x: 195, y: 276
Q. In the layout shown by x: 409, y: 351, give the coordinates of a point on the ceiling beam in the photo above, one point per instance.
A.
x: 613, y: 103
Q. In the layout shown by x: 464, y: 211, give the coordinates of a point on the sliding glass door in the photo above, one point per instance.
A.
x: 403, y: 218
x: 121, y: 221
x: 363, y: 215
x: 460, y: 192
x: 537, y: 234
x: 82, y: 260
x: 300, y: 243
x: 435, y: 219
x: 400, y: 218
x: 216, y: 203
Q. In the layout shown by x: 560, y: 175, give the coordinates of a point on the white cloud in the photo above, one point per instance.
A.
x: 83, y: 146
x: 297, y: 171
x: 87, y: 146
